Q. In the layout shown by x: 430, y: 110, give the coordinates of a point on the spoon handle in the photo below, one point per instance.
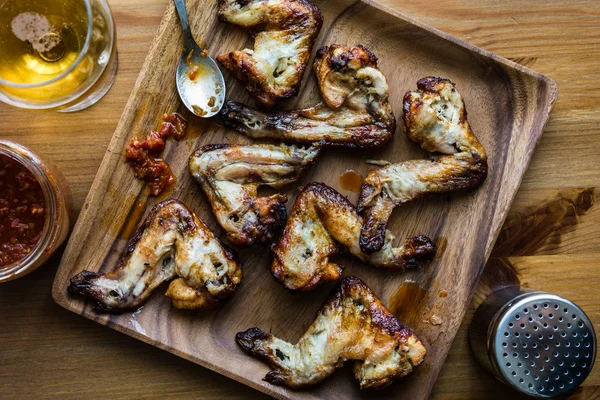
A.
x: 188, y: 39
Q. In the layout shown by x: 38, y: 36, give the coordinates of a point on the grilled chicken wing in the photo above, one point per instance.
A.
x: 287, y: 32
x: 172, y: 243
x: 435, y: 118
x: 322, y: 223
x: 355, y: 111
x: 230, y: 176
x: 352, y: 325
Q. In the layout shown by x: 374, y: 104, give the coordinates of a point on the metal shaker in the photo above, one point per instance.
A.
x: 538, y: 343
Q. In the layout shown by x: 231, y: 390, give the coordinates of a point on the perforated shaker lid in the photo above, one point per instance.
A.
x: 543, y: 345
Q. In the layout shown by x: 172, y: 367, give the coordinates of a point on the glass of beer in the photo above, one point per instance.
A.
x: 56, y: 54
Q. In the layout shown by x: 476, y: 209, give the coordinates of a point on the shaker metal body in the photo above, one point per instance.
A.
x: 538, y: 343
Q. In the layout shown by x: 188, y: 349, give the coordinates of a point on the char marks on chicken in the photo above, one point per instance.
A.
x: 323, y: 223
x: 230, y: 176
x: 173, y: 244
x: 355, y: 111
x: 434, y: 117
x: 284, y: 32
x: 353, y: 325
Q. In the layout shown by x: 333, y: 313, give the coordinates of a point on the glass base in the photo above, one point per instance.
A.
x: 99, y: 91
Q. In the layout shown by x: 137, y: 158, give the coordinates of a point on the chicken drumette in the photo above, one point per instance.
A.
x: 353, y: 325
x: 172, y: 243
x: 435, y: 118
x: 323, y: 223
x: 355, y: 111
x: 285, y: 32
x: 230, y: 176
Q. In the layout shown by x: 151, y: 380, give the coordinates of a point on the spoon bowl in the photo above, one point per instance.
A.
x: 200, y: 82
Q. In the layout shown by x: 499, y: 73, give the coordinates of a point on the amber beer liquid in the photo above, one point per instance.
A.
x: 55, y: 53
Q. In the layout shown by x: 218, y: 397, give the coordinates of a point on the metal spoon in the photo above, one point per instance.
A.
x: 200, y: 82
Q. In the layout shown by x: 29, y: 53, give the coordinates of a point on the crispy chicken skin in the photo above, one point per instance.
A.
x: 434, y: 117
x: 285, y: 32
x: 171, y: 243
x: 322, y: 223
x: 355, y: 111
x: 352, y: 325
x: 230, y: 176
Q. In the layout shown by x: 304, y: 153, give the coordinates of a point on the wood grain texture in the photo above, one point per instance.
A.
x: 48, y: 352
x: 508, y: 107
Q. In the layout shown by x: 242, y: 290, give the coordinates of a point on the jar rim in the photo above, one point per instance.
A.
x: 37, y: 167
x: 80, y: 56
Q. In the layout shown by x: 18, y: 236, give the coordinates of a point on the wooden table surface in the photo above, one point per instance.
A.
x: 551, y: 240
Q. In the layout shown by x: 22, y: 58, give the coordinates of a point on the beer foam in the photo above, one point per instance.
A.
x: 34, y: 28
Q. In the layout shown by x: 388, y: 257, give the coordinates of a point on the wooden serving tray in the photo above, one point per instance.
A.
x: 508, y: 106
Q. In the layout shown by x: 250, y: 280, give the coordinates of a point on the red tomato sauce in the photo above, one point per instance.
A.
x: 22, y: 211
x: 144, y: 155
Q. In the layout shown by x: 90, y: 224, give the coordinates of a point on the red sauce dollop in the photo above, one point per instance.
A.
x: 22, y: 211
x: 143, y: 155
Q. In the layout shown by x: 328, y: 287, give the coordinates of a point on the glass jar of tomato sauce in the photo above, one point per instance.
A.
x: 34, y: 204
